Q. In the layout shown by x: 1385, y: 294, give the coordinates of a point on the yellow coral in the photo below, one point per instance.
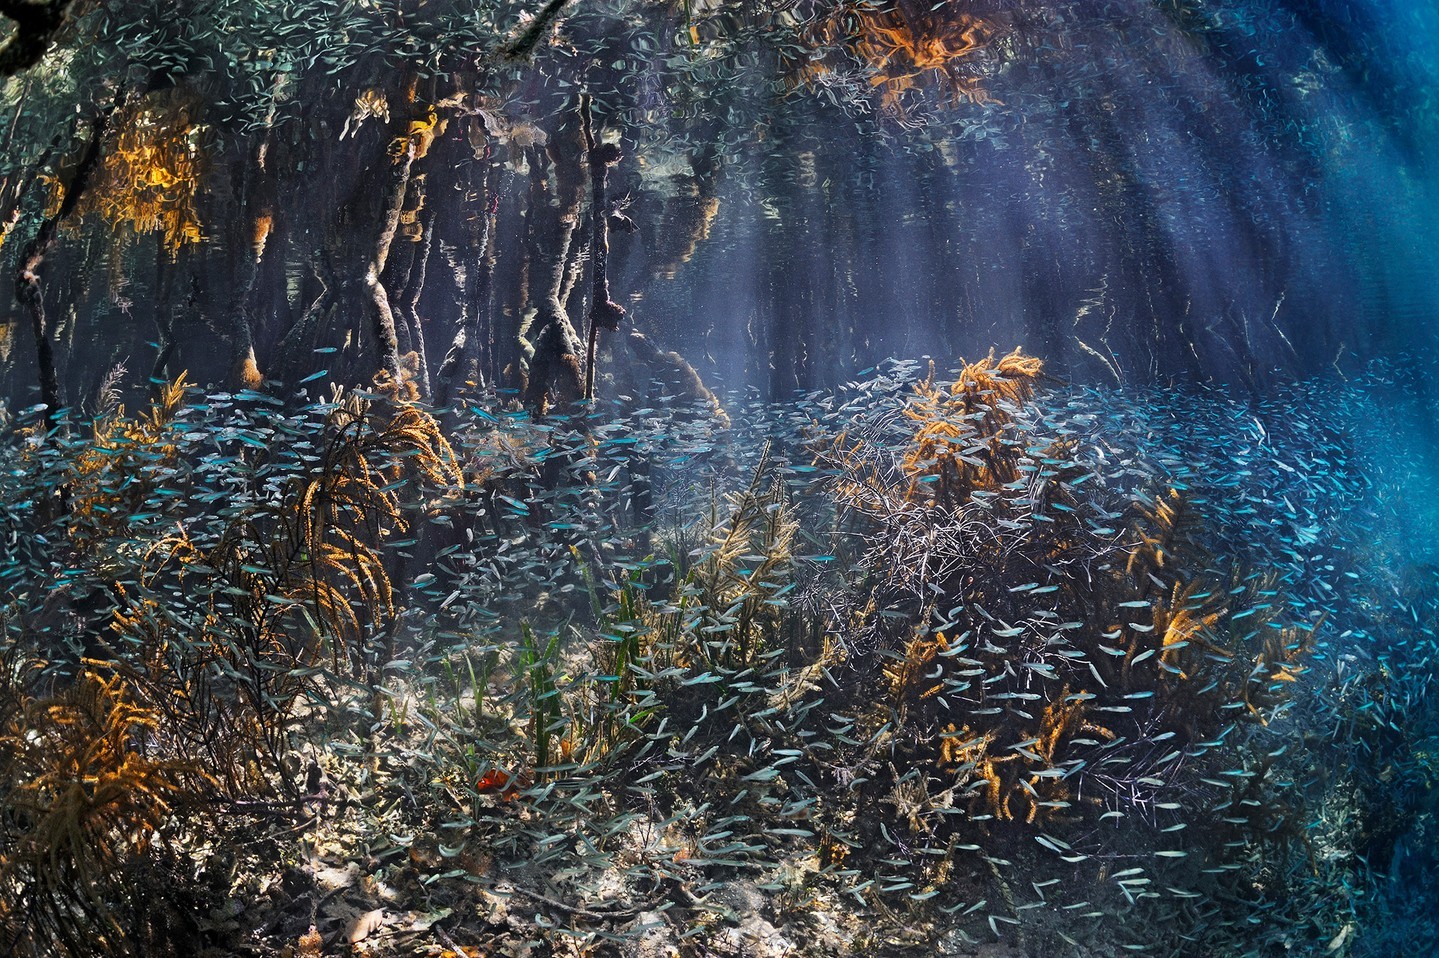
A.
x: 958, y: 445
x: 79, y: 796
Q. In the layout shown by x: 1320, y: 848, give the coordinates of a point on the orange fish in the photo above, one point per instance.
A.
x: 498, y: 780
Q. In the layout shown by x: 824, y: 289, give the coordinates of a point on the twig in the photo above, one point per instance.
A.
x: 447, y: 941
x: 526, y: 41
x: 571, y: 909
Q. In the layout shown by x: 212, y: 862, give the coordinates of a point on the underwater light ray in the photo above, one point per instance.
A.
x: 1212, y: 166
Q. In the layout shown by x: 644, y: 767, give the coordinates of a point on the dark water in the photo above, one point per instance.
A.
x: 1190, y: 190
x: 1138, y: 192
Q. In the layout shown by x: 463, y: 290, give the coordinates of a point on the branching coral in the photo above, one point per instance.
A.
x: 277, y: 592
x: 980, y: 525
x: 959, y: 443
x: 118, y: 472
x: 81, y: 795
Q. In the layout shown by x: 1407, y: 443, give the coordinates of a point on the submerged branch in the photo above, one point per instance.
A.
x: 36, y: 25
x: 525, y: 43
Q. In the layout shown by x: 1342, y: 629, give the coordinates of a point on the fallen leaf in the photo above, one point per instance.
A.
x: 366, y: 925
x: 331, y: 879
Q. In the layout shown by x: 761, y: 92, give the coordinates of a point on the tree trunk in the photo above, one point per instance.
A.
x: 244, y: 369
x: 605, y: 313
x: 554, y: 370
x: 471, y: 355
x: 414, y: 289
x: 386, y: 342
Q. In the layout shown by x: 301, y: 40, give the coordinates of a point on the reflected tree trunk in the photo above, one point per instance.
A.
x: 29, y: 288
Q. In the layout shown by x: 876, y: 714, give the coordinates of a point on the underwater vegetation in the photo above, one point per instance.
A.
x: 927, y: 662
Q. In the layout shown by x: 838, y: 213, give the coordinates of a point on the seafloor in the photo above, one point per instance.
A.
x: 975, y: 663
